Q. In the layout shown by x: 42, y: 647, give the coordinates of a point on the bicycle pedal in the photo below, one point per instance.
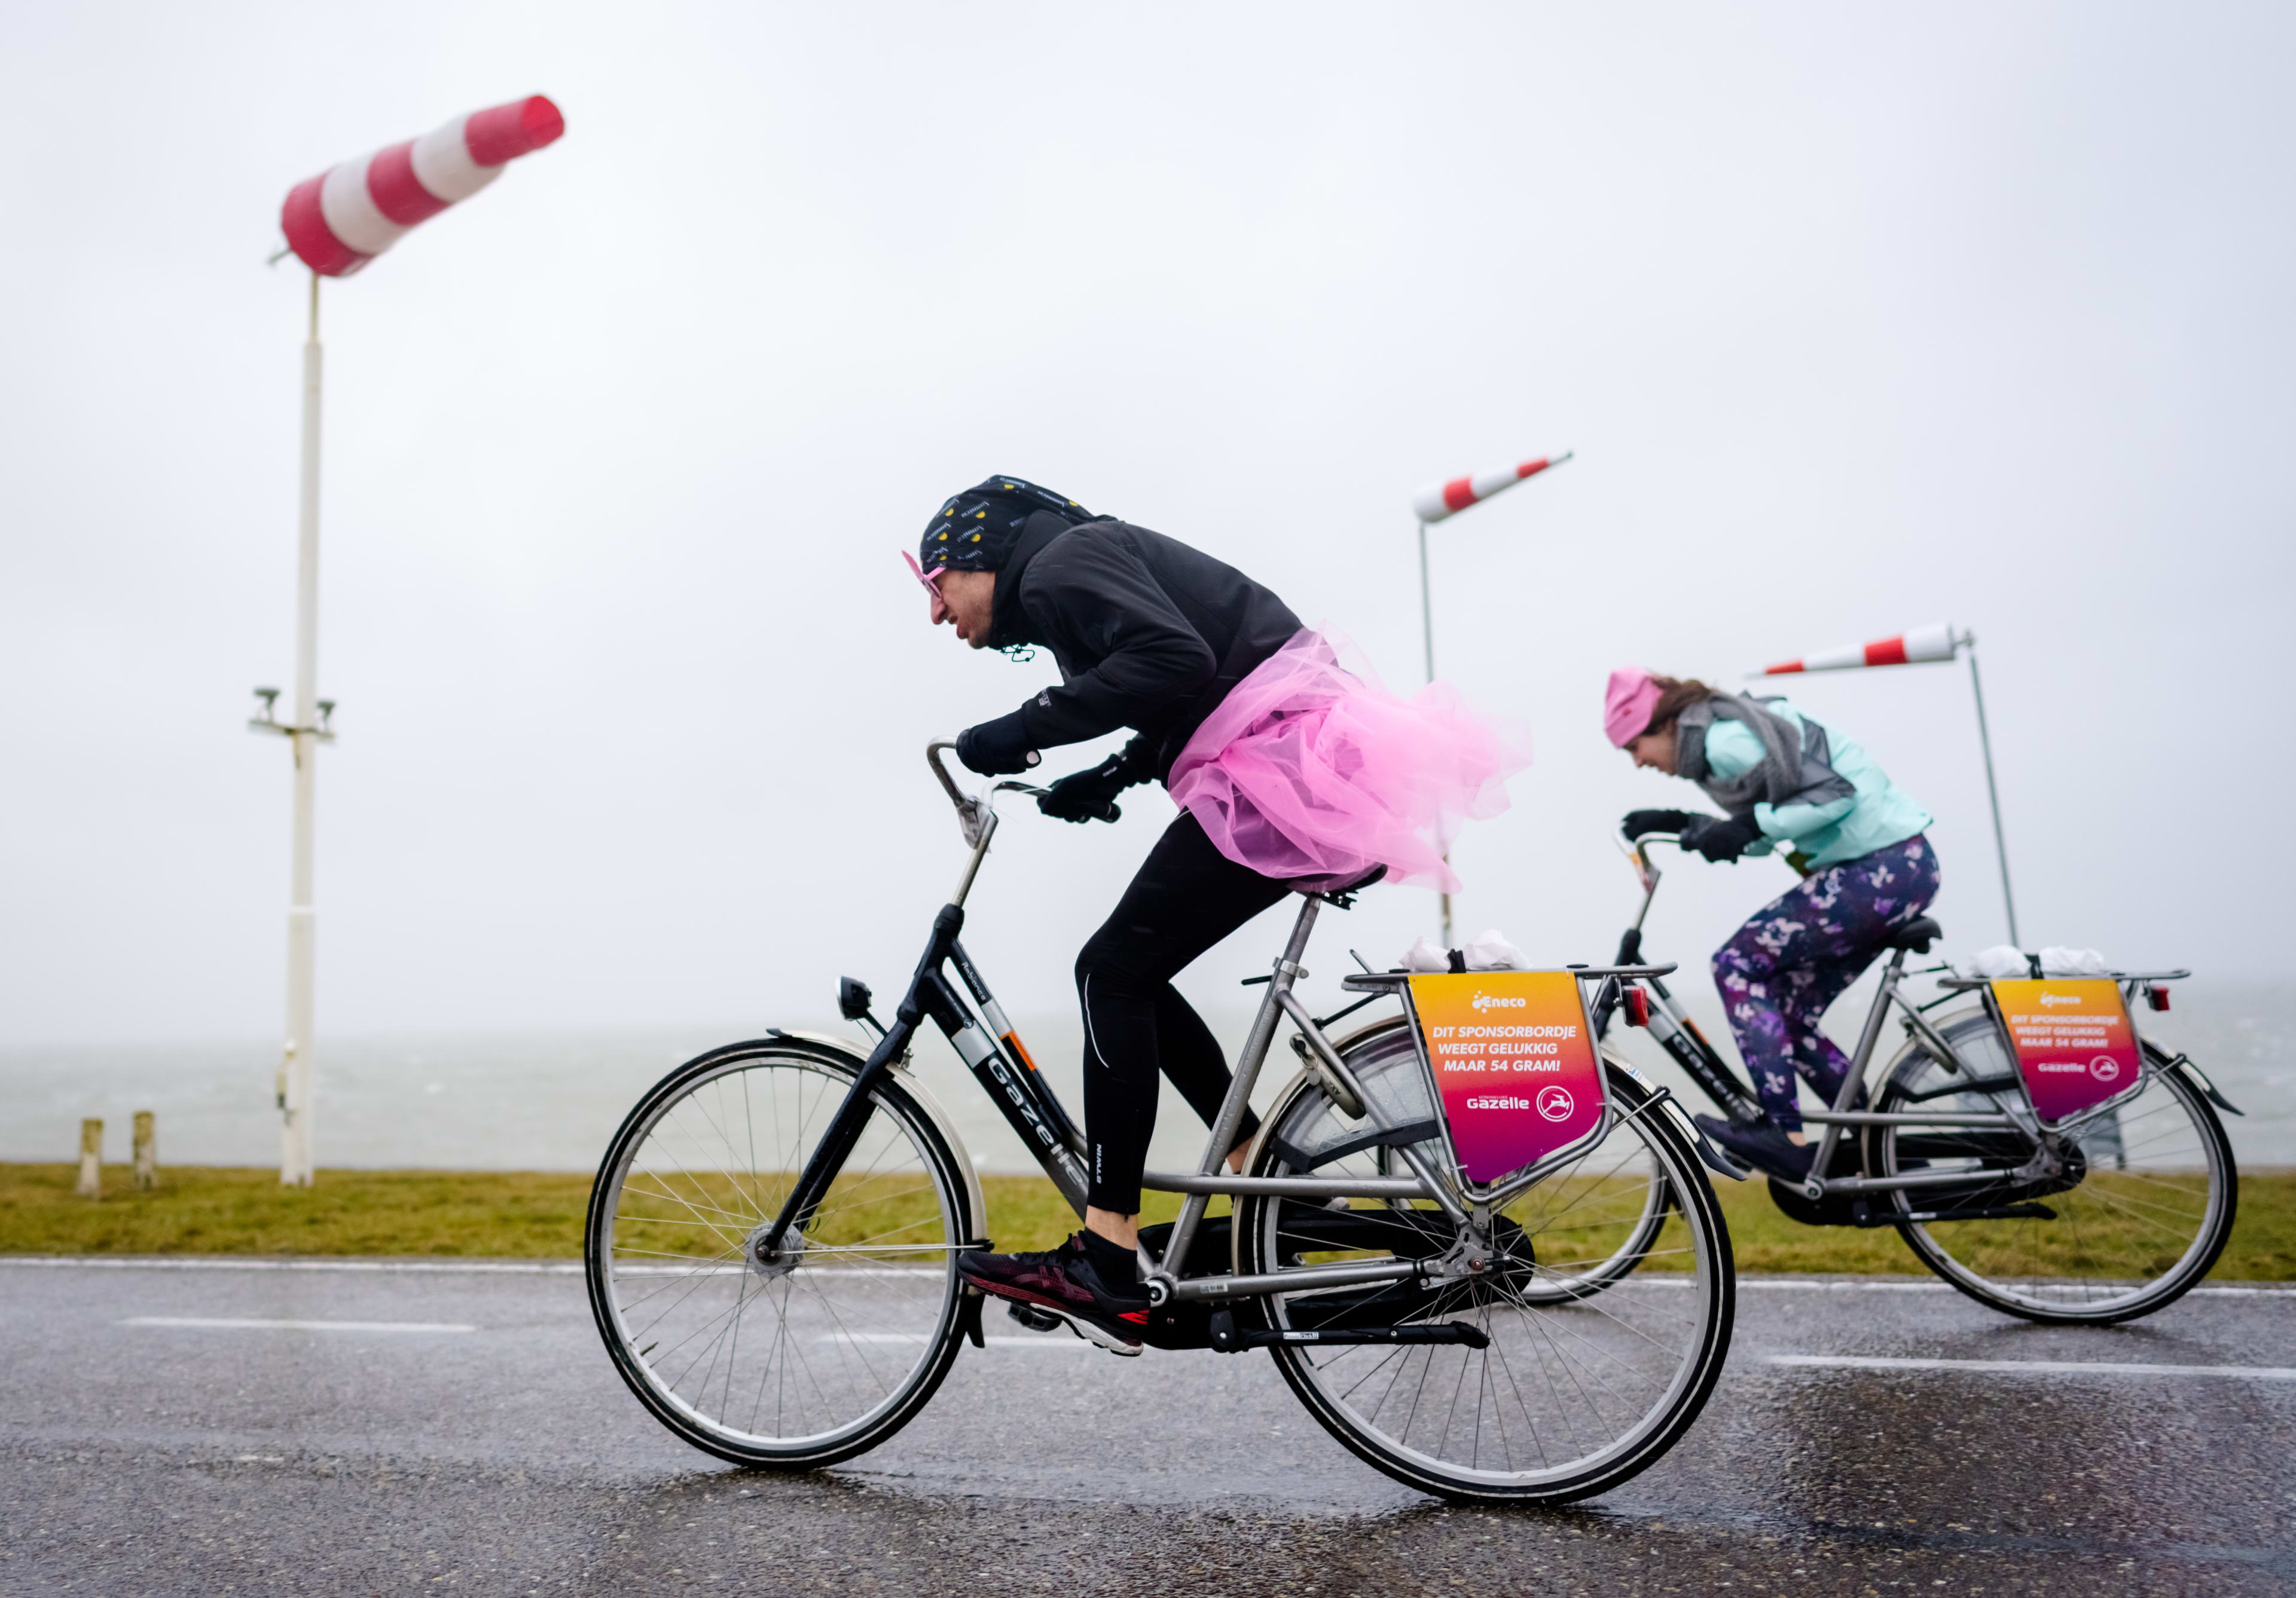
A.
x: 1033, y: 1319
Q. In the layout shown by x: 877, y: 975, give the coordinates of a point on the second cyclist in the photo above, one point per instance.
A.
x: 1782, y: 779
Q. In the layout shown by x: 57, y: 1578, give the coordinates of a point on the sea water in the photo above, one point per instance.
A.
x: 540, y: 1100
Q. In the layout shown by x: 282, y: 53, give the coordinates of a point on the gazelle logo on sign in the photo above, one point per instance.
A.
x: 2074, y: 1045
x: 1515, y: 1068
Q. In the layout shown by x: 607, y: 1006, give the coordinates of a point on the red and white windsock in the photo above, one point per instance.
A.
x: 1915, y: 647
x: 1448, y: 499
x: 343, y: 219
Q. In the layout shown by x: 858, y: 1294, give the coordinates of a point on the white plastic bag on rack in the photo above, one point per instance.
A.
x: 1490, y: 952
x: 2002, y: 960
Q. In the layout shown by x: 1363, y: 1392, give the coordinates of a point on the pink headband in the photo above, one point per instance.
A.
x: 1627, y: 703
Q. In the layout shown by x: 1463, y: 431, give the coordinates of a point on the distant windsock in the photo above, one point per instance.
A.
x: 1448, y: 499
x: 339, y: 221
x: 1917, y: 647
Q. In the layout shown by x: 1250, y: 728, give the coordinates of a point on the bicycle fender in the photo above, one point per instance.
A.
x: 924, y: 1100
x: 2198, y: 1078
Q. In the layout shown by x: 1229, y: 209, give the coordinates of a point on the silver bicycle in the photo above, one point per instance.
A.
x: 771, y: 1240
x: 2109, y: 1206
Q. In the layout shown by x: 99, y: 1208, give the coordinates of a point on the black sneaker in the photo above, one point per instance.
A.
x: 1064, y: 1283
x: 1764, y: 1145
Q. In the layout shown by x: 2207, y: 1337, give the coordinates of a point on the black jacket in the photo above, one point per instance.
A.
x: 1148, y: 633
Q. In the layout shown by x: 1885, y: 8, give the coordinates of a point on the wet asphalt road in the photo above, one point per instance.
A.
x: 508, y: 1458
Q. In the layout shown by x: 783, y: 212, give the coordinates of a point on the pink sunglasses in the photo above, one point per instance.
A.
x: 931, y: 581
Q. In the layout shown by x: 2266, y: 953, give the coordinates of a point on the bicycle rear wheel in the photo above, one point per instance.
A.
x: 2141, y: 1212
x: 835, y: 1345
x: 1595, y: 1368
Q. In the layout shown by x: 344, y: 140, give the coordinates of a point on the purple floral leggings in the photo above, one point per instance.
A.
x: 1797, y: 956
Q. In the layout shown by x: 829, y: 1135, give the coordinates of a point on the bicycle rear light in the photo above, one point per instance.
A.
x: 1637, y: 1007
x: 2156, y: 997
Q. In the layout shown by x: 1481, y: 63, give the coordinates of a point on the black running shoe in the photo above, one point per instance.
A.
x: 1063, y: 1282
x: 1763, y: 1145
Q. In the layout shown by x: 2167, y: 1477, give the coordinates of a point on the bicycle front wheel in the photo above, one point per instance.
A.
x: 834, y: 1345
x: 2140, y: 1210
x: 1605, y: 1333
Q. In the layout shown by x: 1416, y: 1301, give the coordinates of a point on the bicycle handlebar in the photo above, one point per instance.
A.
x: 972, y: 807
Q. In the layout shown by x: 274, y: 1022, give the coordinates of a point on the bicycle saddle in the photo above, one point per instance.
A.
x: 1915, y: 935
x: 1347, y: 889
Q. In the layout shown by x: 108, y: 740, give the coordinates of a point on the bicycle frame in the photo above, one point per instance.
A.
x: 992, y: 1050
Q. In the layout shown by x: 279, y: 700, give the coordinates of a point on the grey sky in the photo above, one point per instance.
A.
x: 1858, y: 317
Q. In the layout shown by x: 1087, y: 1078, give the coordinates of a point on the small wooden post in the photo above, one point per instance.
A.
x: 147, y: 1153
x: 91, y: 1160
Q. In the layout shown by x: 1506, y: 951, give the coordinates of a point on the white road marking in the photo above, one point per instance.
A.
x: 420, y: 1267
x: 233, y: 1324
x: 226, y: 1262
x: 2032, y: 1367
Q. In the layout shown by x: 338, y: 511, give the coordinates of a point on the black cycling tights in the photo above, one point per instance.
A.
x: 1187, y: 897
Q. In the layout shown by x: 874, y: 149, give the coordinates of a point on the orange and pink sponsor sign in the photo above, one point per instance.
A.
x: 1516, y: 1066
x: 2073, y: 1040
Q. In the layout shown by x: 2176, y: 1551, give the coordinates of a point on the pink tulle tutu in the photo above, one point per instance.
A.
x: 1315, y: 773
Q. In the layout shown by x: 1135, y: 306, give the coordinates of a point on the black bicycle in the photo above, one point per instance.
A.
x: 2104, y: 1206
x: 771, y: 1241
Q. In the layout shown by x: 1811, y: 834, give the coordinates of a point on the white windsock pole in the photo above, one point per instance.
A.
x: 335, y: 223
x: 302, y: 926
x: 1921, y: 646
x: 1439, y: 503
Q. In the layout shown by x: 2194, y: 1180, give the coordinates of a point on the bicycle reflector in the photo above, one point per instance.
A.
x: 1637, y: 1007
x: 2156, y: 997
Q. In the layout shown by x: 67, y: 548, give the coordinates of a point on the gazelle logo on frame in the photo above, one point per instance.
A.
x: 1554, y: 1102
x: 1484, y: 1000
x: 2104, y: 1068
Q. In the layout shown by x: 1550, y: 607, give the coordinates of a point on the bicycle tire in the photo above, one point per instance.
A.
x: 2083, y: 1263
x: 1653, y: 1397
x: 901, y: 1295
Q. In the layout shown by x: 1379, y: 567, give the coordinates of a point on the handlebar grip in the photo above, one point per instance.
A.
x: 1107, y: 812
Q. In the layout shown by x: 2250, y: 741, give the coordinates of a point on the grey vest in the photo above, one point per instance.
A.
x: 1797, y: 768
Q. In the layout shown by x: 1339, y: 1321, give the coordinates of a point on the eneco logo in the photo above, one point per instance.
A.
x: 1554, y: 1102
x: 1484, y: 1000
x: 2104, y: 1068
x: 2060, y: 998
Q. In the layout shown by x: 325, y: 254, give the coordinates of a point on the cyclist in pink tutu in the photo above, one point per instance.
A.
x: 1291, y: 774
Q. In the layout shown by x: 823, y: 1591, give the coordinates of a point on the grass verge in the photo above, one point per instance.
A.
x: 209, y: 1209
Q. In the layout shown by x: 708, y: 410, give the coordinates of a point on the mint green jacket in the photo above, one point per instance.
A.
x: 1878, y: 814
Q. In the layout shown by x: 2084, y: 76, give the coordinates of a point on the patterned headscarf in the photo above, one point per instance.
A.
x: 976, y: 530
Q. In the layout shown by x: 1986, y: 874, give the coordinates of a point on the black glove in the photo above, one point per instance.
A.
x: 1639, y: 822
x: 1717, y: 838
x: 996, y: 748
x: 1091, y: 795
x: 1086, y: 795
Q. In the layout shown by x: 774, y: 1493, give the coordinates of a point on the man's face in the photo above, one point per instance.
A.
x: 964, y: 599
